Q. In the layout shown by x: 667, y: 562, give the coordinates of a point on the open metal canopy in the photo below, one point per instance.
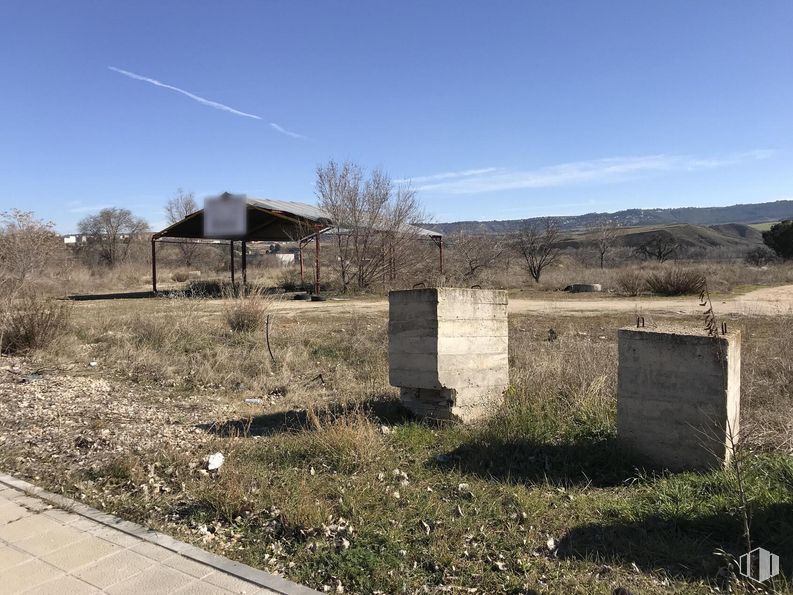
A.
x: 267, y: 221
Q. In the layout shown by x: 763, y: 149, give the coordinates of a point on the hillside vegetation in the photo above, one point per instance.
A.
x: 734, y: 237
x: 745, y: 213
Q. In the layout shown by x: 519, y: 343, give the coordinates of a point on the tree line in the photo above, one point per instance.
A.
x: 377, y: 234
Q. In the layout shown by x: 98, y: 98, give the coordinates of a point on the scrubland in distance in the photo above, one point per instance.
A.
x: 331, y: 481
x: 491, y: 262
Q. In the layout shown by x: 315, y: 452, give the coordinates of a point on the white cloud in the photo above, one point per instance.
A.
x: 448, y: 175
x: 201, y: 100
x: 612, y: 169
x: 283, y: 130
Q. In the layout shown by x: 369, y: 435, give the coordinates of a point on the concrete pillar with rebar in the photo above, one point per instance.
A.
x: 678, y: 396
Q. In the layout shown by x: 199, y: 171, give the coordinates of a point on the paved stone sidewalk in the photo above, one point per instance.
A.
x: 53, y: 545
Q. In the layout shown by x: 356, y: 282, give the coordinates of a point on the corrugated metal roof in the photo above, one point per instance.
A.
x: 300, y: 209
x: 413, y: 229
x: 192, y: 225
x: 426, y: 232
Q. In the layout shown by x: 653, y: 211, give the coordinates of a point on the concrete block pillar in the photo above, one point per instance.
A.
x: 448, y: 350
x: 679, y: 395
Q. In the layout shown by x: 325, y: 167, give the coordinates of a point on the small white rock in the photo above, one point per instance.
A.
x: 215, y: 461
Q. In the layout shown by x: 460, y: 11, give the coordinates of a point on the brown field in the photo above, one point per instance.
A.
x: 328, y: 481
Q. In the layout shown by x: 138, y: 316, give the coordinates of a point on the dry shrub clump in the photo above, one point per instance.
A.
x: 245, y: 312
x: 32, y: 323
x: 630, y: 282
x: 346, y: 442
x: 676, y: 281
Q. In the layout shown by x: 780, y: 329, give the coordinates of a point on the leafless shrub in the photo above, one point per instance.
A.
x: 538, y: 247
x: 660, y: 247
x: 605, y: 236
x: 630, y: 282
x: 31, y: 323
x: 26, y: 244
x: 676, y: 281
x: 178, y: 207
x: 469, y: 256
x: 374, y: 231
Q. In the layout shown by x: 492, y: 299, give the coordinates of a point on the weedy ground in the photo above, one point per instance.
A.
x: 330, y: 482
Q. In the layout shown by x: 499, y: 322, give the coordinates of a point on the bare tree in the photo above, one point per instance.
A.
x: 177, y: 208
x: 373, y: 221
x: 26, y: 244
x: 538, y: 246
x: 474, y: 254
x: 112, y: 231
x: 660, y: 247
x: 605, y: 236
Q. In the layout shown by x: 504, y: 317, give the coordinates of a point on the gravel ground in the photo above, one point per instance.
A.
x: 55, y: 423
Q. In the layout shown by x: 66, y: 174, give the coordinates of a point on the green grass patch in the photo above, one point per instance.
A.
x: 763, y: 226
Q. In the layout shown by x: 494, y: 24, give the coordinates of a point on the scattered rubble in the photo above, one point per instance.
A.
x: 58, y: 426
x: 215, y: 461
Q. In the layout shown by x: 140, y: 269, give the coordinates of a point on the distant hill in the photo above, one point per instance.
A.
x: 703, y: 216
x: 735, y: 238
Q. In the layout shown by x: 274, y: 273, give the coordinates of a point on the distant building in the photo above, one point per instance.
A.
x: 286, y: 260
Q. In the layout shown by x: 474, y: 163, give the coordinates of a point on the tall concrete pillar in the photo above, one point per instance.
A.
x: 679, y: 395
x: 448, y: 350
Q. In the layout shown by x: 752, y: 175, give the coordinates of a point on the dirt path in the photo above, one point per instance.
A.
x: 769, y: 301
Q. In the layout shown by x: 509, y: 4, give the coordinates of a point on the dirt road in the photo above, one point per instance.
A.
x: 768, y: 301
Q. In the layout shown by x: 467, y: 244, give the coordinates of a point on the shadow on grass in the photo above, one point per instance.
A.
x: 385, y: 410
x: 596, y: 461
x: 124, y: 295
x: 683, y: 546
x: 195, y: 289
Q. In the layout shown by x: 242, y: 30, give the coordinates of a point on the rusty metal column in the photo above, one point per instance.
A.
x: 244, y: 267
x: 316, y: 259
x: 153, y: 266
x: 300, y: 250
x: 391, y: 263
x: 231, y: 254
x: 440, y: 252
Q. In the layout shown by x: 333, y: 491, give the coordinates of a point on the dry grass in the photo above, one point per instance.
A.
x: 329, y: 483
x: 347, y: 442
x: 314, y: 488
x: 767, y: 386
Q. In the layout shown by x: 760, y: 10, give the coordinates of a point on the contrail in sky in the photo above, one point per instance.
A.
x: 283, y: 130
x: 192, y: 96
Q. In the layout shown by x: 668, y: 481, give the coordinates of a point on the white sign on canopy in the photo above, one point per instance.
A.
x: 225, y: 216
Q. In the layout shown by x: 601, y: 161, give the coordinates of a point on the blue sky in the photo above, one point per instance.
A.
x: 494, y: 109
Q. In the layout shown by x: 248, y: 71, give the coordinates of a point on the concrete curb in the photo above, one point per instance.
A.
x: 241, y: 571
